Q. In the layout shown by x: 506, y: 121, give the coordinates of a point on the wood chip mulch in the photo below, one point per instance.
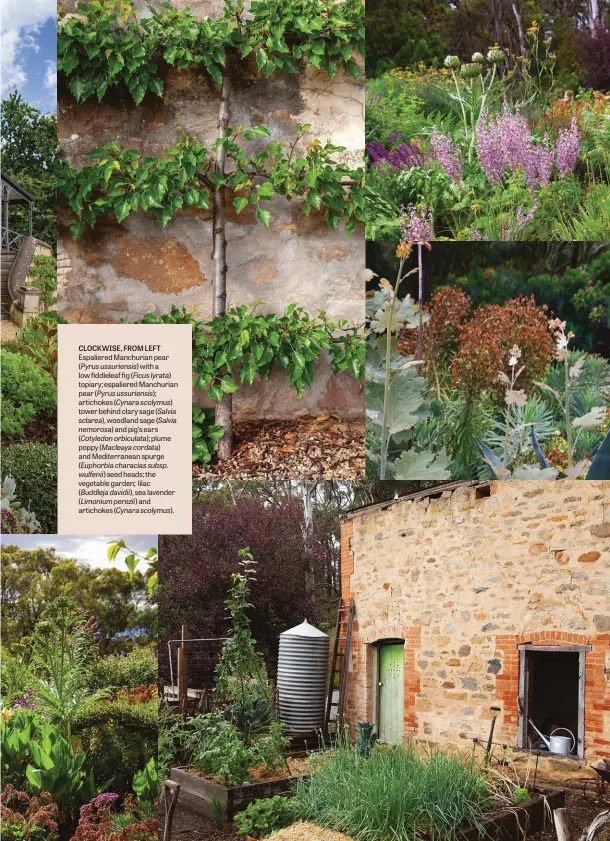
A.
x: 326, y: 447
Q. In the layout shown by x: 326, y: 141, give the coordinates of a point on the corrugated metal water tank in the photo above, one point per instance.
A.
x: 301, y: 679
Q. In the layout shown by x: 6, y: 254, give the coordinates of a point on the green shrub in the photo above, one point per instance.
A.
x: 126, y: 671
x: 37, y: 758
x: 28, y: 393
x: 521, y: 796
x: 119, y: 739
x: 265, y: 816
x: 398, y: 793
x: 215, y: 747
x: 14, y: 346
x: 43, y: 275
x: 38, y: 338
x: 34, y: 469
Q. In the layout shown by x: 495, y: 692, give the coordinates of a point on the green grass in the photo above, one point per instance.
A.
x: 394, y: 795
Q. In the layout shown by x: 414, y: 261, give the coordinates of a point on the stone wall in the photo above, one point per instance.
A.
x: 464, y: 578
x: 126, y: 270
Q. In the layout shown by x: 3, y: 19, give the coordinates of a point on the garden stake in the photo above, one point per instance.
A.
x: 174, y: 789
x: 495, y: 712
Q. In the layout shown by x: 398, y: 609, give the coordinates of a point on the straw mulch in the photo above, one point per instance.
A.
x: 306, y: 831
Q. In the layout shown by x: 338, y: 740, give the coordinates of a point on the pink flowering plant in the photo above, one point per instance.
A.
x: 506, y: 155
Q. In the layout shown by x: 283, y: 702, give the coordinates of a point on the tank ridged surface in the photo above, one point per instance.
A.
x: 301, y: 679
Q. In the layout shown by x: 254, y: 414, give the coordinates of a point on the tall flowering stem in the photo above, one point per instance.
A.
x: 420, y: 298
x: 479, y: 87
x: 402, y: 252
x: 562, y: 354
x: 512, y: 396
x: 416, y: 229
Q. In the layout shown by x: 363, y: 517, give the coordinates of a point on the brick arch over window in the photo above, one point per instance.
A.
x: 597, y: 687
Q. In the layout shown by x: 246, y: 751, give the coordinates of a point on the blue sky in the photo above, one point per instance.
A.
x: 29, y: 51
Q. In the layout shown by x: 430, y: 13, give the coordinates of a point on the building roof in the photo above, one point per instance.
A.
x: 13, y: 187
x: 437, y: 490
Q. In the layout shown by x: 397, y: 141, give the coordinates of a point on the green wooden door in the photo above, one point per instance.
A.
x: 391, y: 693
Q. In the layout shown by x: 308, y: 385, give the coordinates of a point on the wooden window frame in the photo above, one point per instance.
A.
x: 523, y: 700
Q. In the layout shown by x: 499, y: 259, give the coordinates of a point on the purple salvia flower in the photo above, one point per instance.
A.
x: 567, y: 149
x: 506, y: 143
x: 543, y: 157
x: 403, y: 156
x: 25, y: 701
x: 447, y: 154
x: 524, y: 219
x: 415, y: 227
x: 489, y: 148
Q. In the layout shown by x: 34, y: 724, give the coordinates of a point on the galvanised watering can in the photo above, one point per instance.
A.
x: 557, y: 744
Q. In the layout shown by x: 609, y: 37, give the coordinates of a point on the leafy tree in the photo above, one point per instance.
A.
x: 571, y: 279
x: 400, y: 34
x: 30, y: 157
x: 33, y: 578
x: 196, y: 570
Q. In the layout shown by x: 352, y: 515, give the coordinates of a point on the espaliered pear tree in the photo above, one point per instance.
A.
x: 107, y: 46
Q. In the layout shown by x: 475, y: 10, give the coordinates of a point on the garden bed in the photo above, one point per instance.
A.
x: 519, y: 821
x: 206, y: 797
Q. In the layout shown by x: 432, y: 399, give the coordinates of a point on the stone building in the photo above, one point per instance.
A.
x: 478, y: 596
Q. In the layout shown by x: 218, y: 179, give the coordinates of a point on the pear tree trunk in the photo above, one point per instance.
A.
x: 223, y: 415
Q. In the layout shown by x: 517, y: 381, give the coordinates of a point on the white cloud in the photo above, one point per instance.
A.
x: 20, y: 21
x: 86, y: 550
x: 50, y: 75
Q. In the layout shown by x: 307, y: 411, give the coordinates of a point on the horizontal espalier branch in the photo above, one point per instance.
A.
x: 108, y: 45
x: 243, y: 344
x: 121, y: 181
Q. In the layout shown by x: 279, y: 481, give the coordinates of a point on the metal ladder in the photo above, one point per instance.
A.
x: 340, y: 664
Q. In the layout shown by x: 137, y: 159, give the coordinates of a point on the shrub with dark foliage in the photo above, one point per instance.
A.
x: 26, y: 818
x: 593, y: 50
x: 96, y: 823
x: 195, y: 573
